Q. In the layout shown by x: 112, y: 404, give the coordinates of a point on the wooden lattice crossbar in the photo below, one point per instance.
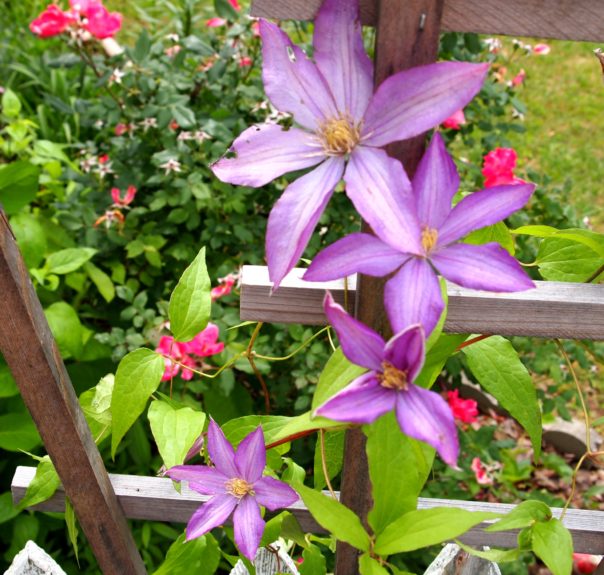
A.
x: 407, y: 35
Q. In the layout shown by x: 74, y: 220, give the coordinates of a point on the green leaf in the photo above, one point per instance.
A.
x: 31, y: 238
x: 7, y: 510
x: 18, y: 432
x: 425, y: 527
x: 8, y: 387
x: 142, y: 47
x: 497, y: 233
x: 11, y: 105
x: 101, y: 280
x: 397, y: 470
x: 42, y: 486
x: 437, y: 357
x: 335, y: 517
x: 224, y: 9
x: 523, y: 515
x: 313, y: 562
x: 200, y: 556
x: 174, y: 430
x: 72, y: 527
x: 369, y: 566
x: 96, y: 405
x: 138, y: 376
x: 334, y: 455
x: 553, y: 544
x: 18, y: 185
x: 494, y: 555
x: 66, y: 328
x: 68, y: 260
x: 190, y: 303
x: 336, y: 375
x: 566, y: 261
x: 593, y: 240
x: 45, y: 151
x: 496, y: 365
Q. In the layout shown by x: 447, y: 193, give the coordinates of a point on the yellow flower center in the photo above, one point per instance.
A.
x: 240, y: 488
x: 429, y: 238
x: 392, y: 377
x: 339, y: 136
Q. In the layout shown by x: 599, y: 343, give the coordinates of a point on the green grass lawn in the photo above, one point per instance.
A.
x: 564, y: 94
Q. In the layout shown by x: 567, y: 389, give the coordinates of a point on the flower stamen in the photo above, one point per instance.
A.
x: 392, y: 377
x: 239, y: 488
x: 429, y: 238
x: 339, y: 136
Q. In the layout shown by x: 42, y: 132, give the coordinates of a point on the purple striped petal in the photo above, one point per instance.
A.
x: 355, y: 253
x: 221, y: 451
x: 274, y: 494
x: 486, y: 267
x: 406, y: 351
x: 341, y: 57
x: 295, y: 215
x: 413, y: 296
x: 381, y: 192
x: 265, y: 152
x: 292, y: 82
x: 251, y: 456
x: 203, y: 479
x: 360, y: 344
x: 483, y: 208
x: 435, y: 183
x: 425, y: 415
x: 416, y: 100
x: 248, y: 526
x: 212, y: 513
x: 363, y: 401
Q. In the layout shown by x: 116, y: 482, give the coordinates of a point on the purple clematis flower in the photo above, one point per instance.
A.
x: 393, y: 366
x: 341, y: 122
x: 420, y: 234
x: 236, y: 485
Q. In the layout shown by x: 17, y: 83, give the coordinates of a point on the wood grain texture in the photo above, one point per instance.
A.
x: 562, y: 19
x: 553, y: 309
x: 34, y: 360
x: 155, y: 499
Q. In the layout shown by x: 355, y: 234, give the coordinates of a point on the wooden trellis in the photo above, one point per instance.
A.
x: 407, y: 35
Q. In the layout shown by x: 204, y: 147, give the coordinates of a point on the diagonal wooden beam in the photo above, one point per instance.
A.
x: 34, y: 360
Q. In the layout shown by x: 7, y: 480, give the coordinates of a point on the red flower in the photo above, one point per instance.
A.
x: 499, y: 167
x: 103, y: 159
x: 235, y: 4
x: 100, y: 23
x: 51, y: 22
x: 464, y: 410
x: 245, y: 61
x: 585, y: 563
x: 127, y: 200
x: 455, y: 121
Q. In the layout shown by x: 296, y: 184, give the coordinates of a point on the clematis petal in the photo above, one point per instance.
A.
x: 355, y: 253
x: 485, y: 267
x: 251, y: 456
x: 482, y: 209
x: 360, y: 344
x: 381, y: 192
x: 249, y: 526
x: 265, y: 152
x: 418, y: 99
x: 211, y: 514
x: 341, y: 57
x: 413, y: 296
x: 435, y: 183
x: 203, y: 479
x: 274, y: 494
x: 425, y: 415
x: 363, y: 401
x: 295, y: 215
x: 292, y: 82
x: 221, y: 451
x: 406, y: 351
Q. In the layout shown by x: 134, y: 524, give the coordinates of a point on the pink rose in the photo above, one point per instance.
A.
x: 51, y: 22
x: 499, y: 167
x: 100, y: 23
x: 463, y: 409
x: 455, y: 121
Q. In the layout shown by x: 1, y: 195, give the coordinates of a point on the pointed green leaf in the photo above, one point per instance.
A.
x: 397, y: 469
x: 8, y: 387
x: 11, y: 105
x: 174, y: 430
x: 18, y: 432
x: 589, y: 238
x: 553, y: 544
x: 336, y: 375
x: 68, y: 260
x: 101, y: 280
x: 66, y: 328
x: 190, y: 303
x: 497, y: 233
x: 7, y: 510
x: 496, y: 365
x: 436, y: 358
x: 494, y: 555
x: 72, y: 527
x: 200, y: 556
x: 334, y: 456
x: 96, y: 405
x: 563, y: 260
x: 42, y: 486
x: 369, y: 566
x: 313, y: 562
x: 138, y: 376
x: 335, y: 517
x: 523, y: 515
x: 31, y: 238
x: 18, y: 185
x: 425, y: 527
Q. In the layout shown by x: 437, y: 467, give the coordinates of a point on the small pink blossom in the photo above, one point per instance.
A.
x: 519, y: 78
x: 215, y: 22
x: 245, y: 61
x: 455, y: 121
x: 255, y: 27
x: 235, y: 4
x: 541, y: 49
x: 121, y: 129
x: 52, y: 22
x: 481, y: 473
x: 499, y: 167
x: 172, y: 50
x: 465, y: 410
x: 103, y: 159
x: 118, y: 201
x: 104, y: 169
x: 101, y: 23
x: 171, y: 166
x: 224, y: 287
x: 148, y: 123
